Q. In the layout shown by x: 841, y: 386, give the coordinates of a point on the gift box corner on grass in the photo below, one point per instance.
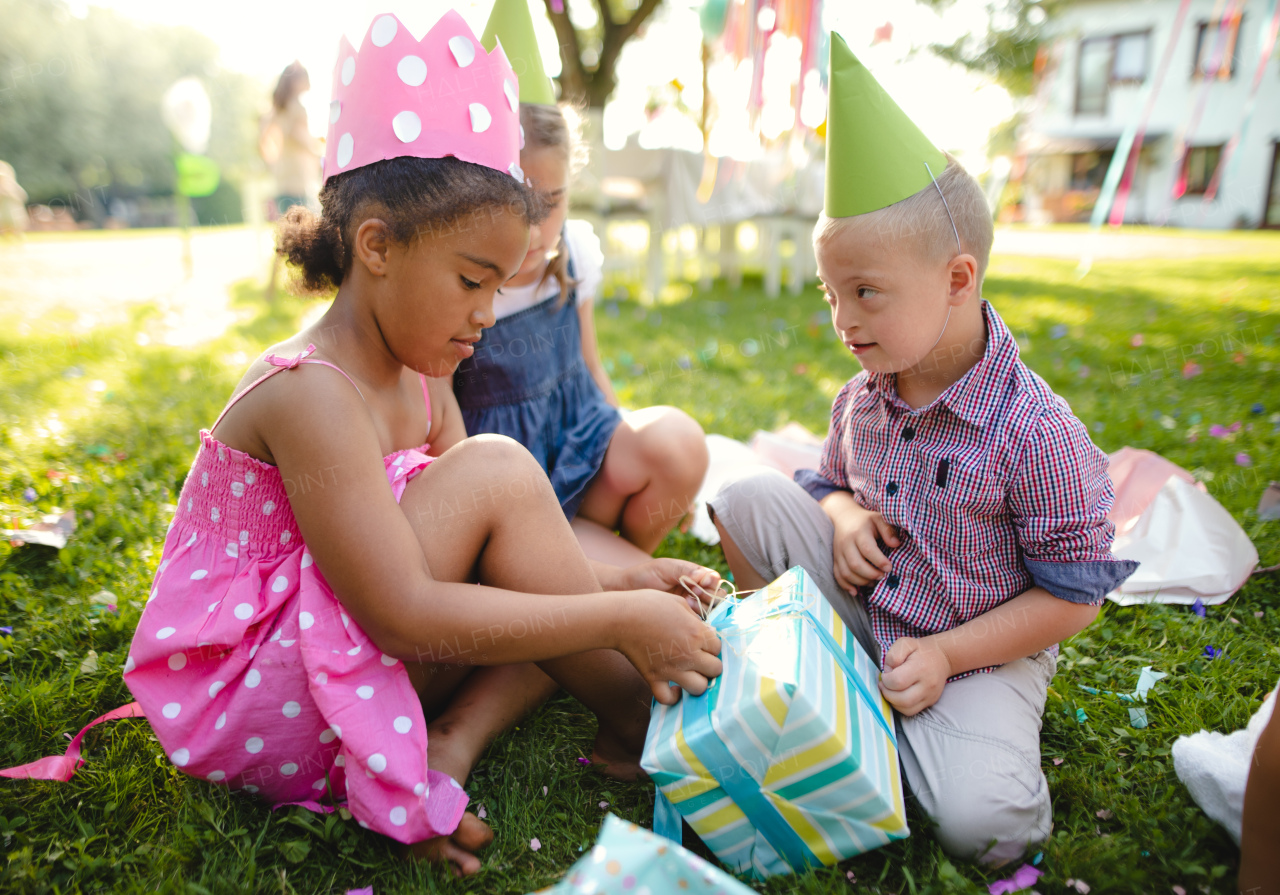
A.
x: 788, y: 760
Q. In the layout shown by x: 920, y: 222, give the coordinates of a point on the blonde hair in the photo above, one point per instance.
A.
x: 556, y: 127
x: 922, y: 221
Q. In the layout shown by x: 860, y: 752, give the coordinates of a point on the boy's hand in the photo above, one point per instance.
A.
x: 915, y: 673
x: 665, y: 574
x: 856, y: 557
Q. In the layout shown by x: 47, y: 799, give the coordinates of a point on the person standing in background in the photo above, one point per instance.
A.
x: 13, y: 203
x: 286, y: 145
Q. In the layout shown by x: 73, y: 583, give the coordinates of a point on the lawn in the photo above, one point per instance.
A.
x: 1149, y: 353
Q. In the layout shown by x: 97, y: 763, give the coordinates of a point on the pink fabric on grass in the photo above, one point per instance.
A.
x: 1138, y: 475
x: 254, y: 676
x: 63, y: 767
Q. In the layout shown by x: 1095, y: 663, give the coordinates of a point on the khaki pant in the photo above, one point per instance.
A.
x: 972, y: 759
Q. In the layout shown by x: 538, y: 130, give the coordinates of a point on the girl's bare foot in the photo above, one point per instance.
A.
x: 612, y: 758
x: 459, y: 849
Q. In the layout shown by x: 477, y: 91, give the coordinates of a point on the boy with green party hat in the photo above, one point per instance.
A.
x: 958, y: 520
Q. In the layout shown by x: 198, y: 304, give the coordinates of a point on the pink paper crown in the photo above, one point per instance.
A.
x: 440, y: 96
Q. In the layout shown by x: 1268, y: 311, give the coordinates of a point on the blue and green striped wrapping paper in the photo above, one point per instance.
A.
x: 789, y: 759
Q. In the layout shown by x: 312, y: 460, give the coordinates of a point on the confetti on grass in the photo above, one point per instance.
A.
x: 1079, y: 885
x: 535, y: 844
x: 584, y: 761
x: 1023, y: 878
x: 1198, y: 608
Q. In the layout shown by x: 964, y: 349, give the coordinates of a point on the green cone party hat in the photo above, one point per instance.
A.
x: 511, y: 23
x: 876, y: 156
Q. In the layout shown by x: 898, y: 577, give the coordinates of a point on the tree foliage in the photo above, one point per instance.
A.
x: 1007, y: 52
x: 589, y: 57
x: 80, y: 103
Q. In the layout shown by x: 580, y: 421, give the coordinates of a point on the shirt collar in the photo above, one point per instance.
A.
x: 969, y: 397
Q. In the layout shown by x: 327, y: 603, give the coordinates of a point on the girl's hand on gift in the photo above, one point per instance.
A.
x: 668, y: 643
x: 915, y: 672
x: 665, y: 574
x: 857, y: 557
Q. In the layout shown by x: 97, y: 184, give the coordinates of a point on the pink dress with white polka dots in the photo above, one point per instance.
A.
x: 252, y: 674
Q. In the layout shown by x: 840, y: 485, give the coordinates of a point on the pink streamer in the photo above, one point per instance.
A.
x: 1023, y: 878
x: 64, y: 767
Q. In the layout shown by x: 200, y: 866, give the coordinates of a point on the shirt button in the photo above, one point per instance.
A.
x: 891, y: 488
x: 908, y: 433
x: 892, y: 581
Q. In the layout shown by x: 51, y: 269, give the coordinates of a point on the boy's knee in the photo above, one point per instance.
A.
x: 749, y: 486
x: 991, y: 825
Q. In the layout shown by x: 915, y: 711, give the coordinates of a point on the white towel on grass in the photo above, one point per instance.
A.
x: 1215, y: 767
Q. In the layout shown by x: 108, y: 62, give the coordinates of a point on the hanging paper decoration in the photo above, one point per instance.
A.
x: 1266, y: 43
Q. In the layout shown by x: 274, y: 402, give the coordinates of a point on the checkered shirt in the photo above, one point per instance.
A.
x: 993, y: 488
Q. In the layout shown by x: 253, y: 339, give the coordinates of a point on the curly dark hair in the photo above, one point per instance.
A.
x: 414, y: 196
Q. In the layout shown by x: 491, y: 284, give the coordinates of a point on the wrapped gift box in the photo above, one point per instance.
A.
x: 789, y: 759
x: 628, y: 860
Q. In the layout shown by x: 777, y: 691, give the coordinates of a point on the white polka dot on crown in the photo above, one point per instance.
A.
x: 402, y: 724
x: 513, y: 98
x: 346, y: 147
x: 480, y: 118
x: 181, y: 757
x: 254, y: 745
x: 129, y: 664
x: 365, y: 692
x: 178, y: 661
x: 407, y: 126
x: 215, y: 687
x: 516, y: 171
x: 348, y: 72
x: 335, y: 111
x: 171, y: 710
x: 253, y: 678
x: 280, y: 584
x: 412, y: 70
x: 463, y: 50
x: 383, y: 31
x: 291, y: 709
x: 377, y: 762
x: 399, y: 816
x: 221, y: 722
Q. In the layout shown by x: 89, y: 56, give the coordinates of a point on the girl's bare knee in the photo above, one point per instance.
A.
x: 676, y: 447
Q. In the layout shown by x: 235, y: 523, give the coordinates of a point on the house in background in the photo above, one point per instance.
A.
x: 1103, y: 58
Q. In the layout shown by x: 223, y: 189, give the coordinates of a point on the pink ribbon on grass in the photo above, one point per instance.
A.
x: 63, y: 767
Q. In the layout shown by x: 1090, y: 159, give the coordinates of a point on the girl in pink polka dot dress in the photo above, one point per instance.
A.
x: 348, y: 579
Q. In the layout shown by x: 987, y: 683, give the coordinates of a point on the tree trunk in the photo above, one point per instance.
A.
x: 591, y: 87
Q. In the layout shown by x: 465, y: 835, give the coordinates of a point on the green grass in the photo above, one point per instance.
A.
x: 130, y: 821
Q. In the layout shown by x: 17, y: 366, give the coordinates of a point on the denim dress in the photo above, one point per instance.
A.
x: 528, y: 380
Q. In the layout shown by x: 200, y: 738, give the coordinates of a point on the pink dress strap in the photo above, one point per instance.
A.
x: 289, y: 363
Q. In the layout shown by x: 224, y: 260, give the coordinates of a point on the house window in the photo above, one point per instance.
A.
x: 1108, y: 61
x: 1198, y: 168
x: 1217, y: 49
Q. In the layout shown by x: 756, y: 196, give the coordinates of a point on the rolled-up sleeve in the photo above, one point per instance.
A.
x: 1060, y: 498
x: 830, y: 474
